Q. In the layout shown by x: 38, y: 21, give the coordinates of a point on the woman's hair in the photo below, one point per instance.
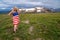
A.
x: 15, y: 9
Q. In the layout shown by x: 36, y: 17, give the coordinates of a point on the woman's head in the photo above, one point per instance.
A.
x: 15, y: 8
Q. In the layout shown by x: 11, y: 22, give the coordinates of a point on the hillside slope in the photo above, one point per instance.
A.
x: 32, y: 27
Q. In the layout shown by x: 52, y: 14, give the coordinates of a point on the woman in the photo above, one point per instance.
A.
x: 15, y: 13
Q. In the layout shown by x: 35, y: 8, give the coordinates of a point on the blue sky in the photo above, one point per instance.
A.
x: 52, y: 3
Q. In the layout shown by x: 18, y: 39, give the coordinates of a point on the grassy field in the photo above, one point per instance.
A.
x: 43, y: 26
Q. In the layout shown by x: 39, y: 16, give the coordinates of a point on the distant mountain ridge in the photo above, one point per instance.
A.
x: 28, y: 6
x: 57, y: 10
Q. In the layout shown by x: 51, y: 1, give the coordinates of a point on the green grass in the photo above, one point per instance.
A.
x: 46, y: 26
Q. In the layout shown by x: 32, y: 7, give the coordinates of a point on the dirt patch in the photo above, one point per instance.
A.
x: 26, y: 21
x: 30, y: 29
x: 39, y: 39
x: 17, y: 38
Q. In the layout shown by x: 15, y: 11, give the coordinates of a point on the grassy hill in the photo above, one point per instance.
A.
x: 43, y: 26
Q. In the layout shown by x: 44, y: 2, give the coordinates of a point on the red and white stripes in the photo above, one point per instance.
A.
x: 15, y: 20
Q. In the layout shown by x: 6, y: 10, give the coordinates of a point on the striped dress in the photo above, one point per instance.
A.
x: 15, y: 18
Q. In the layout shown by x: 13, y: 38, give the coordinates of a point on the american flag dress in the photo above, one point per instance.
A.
x: 15, y: 20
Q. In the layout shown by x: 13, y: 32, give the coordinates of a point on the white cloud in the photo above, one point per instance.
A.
x: 53, y: 3
x: 3, y: 8
x: 14, y: 1
x: 21, y: 2
x: 34, y: 3
x: 3, y: 5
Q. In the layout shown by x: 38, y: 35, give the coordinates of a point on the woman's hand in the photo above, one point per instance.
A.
x: 8, y: 14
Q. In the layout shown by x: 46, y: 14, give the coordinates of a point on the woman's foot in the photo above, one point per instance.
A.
x: 14, y: 31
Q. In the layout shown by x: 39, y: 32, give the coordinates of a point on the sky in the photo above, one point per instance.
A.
x: 52, y: 3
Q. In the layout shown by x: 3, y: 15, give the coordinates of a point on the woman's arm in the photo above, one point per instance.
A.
x: 10, y: 12
x: 18, y: 11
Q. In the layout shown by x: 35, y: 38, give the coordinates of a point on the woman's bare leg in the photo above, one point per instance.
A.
x: 15, y: 28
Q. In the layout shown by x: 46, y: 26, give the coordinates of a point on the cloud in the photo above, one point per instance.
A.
x: 3, y: 8
x: 4, y: 5
x: 34, y: 3
x: 52, y: 3
x: 39, y: 0
x: 14, y: 1
x: 21, y: 2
